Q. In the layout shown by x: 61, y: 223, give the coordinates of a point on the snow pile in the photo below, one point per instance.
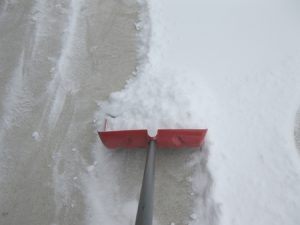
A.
x: 157, y: 100
x: 157, y: 96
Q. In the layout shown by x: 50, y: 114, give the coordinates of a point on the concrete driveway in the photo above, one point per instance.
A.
x: 57, y: 59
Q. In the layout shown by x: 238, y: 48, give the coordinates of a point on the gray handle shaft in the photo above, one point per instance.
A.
x: 145, y: 209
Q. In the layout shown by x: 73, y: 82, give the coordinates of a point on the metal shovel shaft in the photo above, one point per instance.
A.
x: 145, y: 209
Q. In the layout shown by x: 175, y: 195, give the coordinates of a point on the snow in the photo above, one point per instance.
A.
x: 36, y: 136
x: 233, y: 68
x: 18, y: 101
x: 193, y: 216
x: 90, y: 168
x: 230, y: 66
x: 64, y: 81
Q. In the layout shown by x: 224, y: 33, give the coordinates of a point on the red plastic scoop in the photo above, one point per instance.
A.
x: 165, y: 138
x: 125, y: 139
x: 180, y: 138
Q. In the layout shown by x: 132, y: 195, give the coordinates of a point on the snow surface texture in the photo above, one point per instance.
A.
x: 297, y: 130
x: 234, y: 68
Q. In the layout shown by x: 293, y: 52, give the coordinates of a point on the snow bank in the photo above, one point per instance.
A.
x: 247, y: 53
x: 157, y: 96
x: 156, y: 99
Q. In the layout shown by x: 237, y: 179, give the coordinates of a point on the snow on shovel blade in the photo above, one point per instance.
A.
x: 180, y: 138
x: 125, y: 139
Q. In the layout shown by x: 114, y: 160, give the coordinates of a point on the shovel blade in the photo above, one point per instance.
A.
x: 180, y: 138
x: 165, y: 138
x: 124, y: 139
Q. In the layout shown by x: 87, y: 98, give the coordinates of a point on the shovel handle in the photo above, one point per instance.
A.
x: 145, y: 209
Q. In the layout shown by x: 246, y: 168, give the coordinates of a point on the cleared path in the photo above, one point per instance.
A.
x: 57, y: 58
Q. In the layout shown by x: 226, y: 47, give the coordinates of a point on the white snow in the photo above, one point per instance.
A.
x: 17, y: 103
x: 90, y: 168
x: 193, y: 216
x: 36, y: 136
x: 233, y: 68
x: 64, y: 81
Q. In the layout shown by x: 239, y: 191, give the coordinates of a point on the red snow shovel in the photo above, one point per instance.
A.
x: 165, y: 138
